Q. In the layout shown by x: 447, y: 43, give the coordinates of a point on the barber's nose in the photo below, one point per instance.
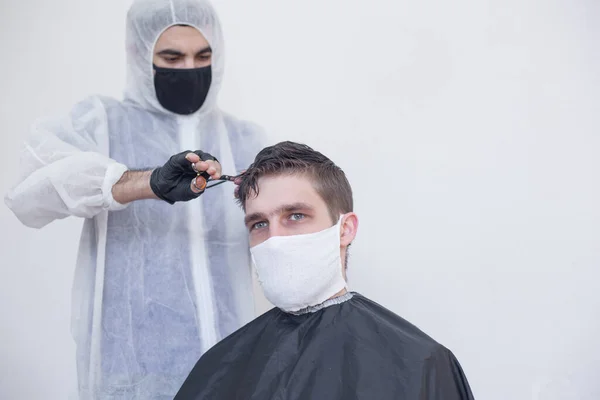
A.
x: 189, y: 63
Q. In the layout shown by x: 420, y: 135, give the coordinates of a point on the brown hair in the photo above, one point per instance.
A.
x: 294, y: 158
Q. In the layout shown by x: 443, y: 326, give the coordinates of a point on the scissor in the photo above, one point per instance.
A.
x: 219, y: 181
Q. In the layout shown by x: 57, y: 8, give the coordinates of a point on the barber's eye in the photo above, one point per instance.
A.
x: 296, y: 216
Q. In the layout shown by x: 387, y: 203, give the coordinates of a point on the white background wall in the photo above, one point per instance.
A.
x: 469, y: 130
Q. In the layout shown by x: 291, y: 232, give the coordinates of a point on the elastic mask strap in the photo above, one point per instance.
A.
x: 345, y: 280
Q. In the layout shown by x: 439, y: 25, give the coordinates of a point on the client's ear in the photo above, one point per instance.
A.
x: 348, y: 229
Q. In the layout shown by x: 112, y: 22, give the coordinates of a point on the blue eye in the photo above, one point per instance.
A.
x: 297, y: 216
x: 258, y: 225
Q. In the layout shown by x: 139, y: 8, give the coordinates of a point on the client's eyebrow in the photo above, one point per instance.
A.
x: 286, y: 208
x: 252, y: 218
x: 295, y: 207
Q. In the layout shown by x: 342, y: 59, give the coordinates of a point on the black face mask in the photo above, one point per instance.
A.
x: 182, y: 91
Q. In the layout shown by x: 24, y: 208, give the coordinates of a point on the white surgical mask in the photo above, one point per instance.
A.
x: 300, y: 271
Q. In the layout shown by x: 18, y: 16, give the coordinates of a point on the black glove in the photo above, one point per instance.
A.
x: 172, y: 181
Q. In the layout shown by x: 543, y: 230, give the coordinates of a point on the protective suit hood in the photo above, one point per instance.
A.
x: 146, y: 21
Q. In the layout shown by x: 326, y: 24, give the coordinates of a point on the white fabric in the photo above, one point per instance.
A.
x: 156, y: 285
x: 300, y: 271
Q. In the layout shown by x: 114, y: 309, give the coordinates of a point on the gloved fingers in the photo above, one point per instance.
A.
x: 212, y: 168
x: 204, y: 162
x: 180, y: 163
x: 192, y: 157
x: 204, y: 156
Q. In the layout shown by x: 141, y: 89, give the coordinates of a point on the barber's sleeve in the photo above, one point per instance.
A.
x: 63, y: 171
x: 443, y: 378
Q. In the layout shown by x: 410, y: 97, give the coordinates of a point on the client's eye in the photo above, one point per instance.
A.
x: 297, y: 216
x: 258, y: 225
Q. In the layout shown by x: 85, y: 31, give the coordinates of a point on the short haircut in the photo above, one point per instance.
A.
x: 299, y: 159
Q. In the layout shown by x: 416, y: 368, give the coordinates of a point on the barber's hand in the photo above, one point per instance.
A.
x: 177, y: 180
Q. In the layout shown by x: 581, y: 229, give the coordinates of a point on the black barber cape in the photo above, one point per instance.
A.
x: 352, y: 350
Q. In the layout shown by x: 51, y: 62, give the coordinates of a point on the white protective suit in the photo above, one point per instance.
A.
x: 156, y: 284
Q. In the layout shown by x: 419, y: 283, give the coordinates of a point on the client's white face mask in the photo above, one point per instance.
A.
x: 299, y: 271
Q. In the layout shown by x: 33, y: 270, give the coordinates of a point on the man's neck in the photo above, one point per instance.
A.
x: 341, y: 297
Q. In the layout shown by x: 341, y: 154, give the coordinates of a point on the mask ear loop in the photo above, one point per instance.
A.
x: 344, y: 269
